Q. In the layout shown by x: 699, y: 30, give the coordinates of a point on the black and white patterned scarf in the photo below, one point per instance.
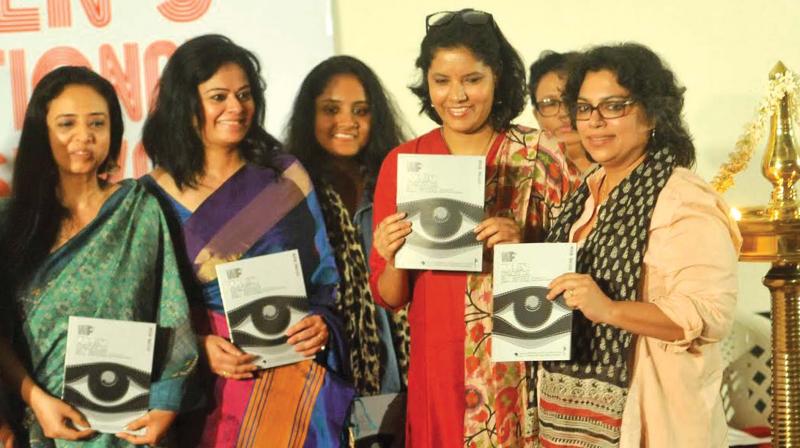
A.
x: 594, y: 382
x: 354, y: 301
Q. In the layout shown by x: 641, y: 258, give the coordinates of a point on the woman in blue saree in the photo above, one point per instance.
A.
x: 233, y: 197
x: 73, y: 244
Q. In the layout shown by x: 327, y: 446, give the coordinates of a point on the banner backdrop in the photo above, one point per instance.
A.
x: 129, y: 41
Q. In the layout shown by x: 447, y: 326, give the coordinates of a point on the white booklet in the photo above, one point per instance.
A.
x: 442, y: 196
x: 264, y: 296
x: 107, y: 371
x: 526, y: 325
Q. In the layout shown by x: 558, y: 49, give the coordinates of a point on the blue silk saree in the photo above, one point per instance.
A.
x: 260, y: 211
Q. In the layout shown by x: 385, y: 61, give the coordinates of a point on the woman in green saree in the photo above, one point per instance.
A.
x: 73, y: 244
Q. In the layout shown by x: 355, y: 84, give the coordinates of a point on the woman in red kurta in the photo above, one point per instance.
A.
x: 472, y: 84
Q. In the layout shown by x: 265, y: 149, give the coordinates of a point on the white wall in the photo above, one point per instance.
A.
x: 721, y: 50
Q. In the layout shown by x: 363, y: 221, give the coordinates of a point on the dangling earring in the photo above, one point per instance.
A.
x: 653, y: 133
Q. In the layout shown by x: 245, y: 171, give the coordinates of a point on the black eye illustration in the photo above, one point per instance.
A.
x: 106, y: 387
x: 263, y: 322
x: 440, y: 223
x: 526, y: 316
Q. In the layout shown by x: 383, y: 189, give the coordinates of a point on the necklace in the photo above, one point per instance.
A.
x: 486, y: 147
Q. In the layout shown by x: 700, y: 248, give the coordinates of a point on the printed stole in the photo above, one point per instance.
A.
x: 581, y: 401
x: 496, y: 394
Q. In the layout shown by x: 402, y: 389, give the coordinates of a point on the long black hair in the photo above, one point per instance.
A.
x: 171, y: 135
x: 651, y: 83
x: 490, y: 46
x: 34, y: 213
x: 385, y: 130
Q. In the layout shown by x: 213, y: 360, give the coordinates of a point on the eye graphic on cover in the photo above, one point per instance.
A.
x: 440, y: 223
x: 527, y: 315
x: 263, y: 322
x: 106, y: 387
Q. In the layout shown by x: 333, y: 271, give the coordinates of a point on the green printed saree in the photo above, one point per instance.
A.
x: 121, y: 266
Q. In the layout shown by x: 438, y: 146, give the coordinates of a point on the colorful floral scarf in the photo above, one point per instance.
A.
x: 526, y: 182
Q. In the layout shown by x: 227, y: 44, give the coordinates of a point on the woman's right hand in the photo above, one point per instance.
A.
x: 390, y: 234
x: 226, y: 360
x: 53, y: 416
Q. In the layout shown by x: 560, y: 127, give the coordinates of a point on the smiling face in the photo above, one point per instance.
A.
x: 228, y: 107
x: 342, y: 116
x: 612, y: 142
x: 551, y: 87
x: 79, y: 130
x: 461, y: 89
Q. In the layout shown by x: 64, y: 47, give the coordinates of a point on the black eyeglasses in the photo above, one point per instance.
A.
x: 549, y: 107
x: 612, y: 108
x: 468, y: 16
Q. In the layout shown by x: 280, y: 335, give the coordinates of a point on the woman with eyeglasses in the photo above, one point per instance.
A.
x: 548, y: 76
x: 473, y: 85
x: 655, y: 288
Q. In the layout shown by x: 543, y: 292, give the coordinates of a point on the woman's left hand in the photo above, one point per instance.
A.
x: 156, y: 423
x: 497, y: 230
x: 582, y: 293
x: 308, y: 336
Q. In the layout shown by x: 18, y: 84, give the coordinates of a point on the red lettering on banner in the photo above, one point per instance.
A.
x: 119, y: 174
x: 154, y: 52
x: 57, y: 57
x: 15, y: 20
x: 59, y: 13
x: 184, y: 10
x: 98, y: 12
x: 19, y: 87
x: 126, y: 83
x: 5, y: 189
x: 141, y: 164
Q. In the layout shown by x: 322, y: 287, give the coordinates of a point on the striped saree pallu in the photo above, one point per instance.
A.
x: 292, y: 407
x: 260, y: 211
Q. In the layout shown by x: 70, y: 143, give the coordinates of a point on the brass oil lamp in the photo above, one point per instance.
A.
x: 772, y: 233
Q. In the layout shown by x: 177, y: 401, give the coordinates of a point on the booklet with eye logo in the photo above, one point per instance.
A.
x: 264, y: 296
x: 442, y: 196
x: 526, y: 325
x: 107, y: 371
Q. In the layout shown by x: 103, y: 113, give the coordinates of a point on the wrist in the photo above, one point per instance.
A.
x: 612, y: 313
x: 34, y: 396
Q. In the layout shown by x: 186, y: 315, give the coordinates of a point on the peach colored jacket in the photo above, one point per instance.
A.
x: 690, y: 274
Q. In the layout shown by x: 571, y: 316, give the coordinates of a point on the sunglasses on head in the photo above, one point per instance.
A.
x: 468, y: 16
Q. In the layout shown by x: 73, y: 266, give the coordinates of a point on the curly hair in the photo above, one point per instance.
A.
x: 34, y: 214
x: 651, y: 83
x: 385, y: 130
x: 490, y: 46
x: 549, y: 61
x: 170, y: 133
